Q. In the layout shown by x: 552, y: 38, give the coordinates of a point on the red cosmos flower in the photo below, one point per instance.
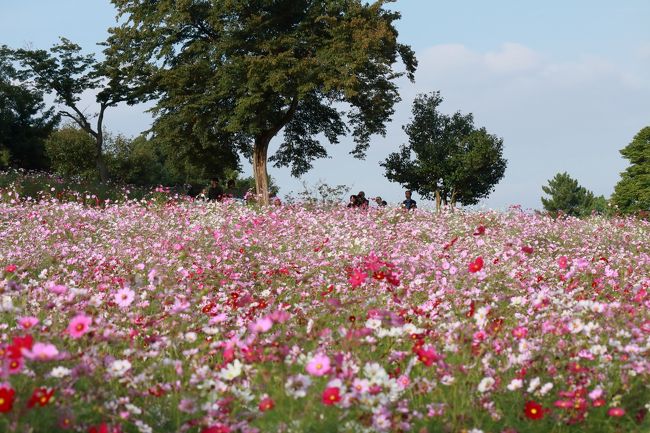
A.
x: 15, y: 351
x: 40, y: 396
x: 533, y: 410
x: 476, y: 265
x: 267, y: 403
x: 527, y: 249
x: 616, y: 412
x: 11, y: 268
x: 6, y: 398
x: 219, y: 428
x: 331, y: 396
x: 102, y: 428
x: 598, y: 402
x: 427, y: 356
x: 479, y: 230
x: 357, y: 278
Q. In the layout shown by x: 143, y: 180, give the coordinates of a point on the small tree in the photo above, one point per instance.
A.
x: 567, y: 197
x: 632, y: 192
x: 66, y: 73
x: 72, y: 153
x: 446, y: 156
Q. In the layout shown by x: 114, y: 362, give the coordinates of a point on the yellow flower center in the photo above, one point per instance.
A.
x: 2, y: 401
x: 533, y: 411
x: 80, y: 327
x: 319, y: 366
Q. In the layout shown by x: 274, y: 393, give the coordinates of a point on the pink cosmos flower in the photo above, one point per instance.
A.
x: 58, y: 289
x: 261, y: 325
x: 562, y: 262
x: 357, y: 278
x: 519, y: 332
x: 124, y: 297
x: 318, y: 365
x: 79, y: 325
x: 41, y: 352
x: 27, y: 322
x: 616, y: 412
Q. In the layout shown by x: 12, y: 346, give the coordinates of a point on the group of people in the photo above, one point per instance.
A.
x: 214, y: 192
x: 359, y: 200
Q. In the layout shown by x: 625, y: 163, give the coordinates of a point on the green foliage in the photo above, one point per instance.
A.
x: 24, y: 122
x: 72, y: 153
x: 567, y: 197
x: 632, y: 192
x: 446, y: 156
x: 237, y: 73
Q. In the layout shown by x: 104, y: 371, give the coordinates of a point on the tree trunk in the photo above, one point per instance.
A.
x: 99, y: 140
x: 438, y: 200
x: 259, y: 168
x: 99, y: 160
x: 453, y: 200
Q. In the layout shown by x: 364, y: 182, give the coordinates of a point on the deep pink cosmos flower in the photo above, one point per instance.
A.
x: 476, y: 265
x: 331, y: 396
x: 79, y: 325
x: 616, y: 412
x: 318, y: 365
x: 357, y: 278
x: 267, y: 403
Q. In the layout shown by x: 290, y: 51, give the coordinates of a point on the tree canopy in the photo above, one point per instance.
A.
x: 67, y: 73
x: 239, y: 72
x: 446, y: 157
x: 25, y: 122
x: 632, y: 192
x: 566, y: 196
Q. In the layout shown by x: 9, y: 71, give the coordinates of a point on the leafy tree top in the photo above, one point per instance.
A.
x: 567, y: 196
x: 245, y: 69
x: 632, y: 192
x: 446, y: 155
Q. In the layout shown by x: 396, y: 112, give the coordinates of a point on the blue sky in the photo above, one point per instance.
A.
x: 565, y: 83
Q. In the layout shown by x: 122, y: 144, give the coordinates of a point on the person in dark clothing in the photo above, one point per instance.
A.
x: 231, y: 189
x: 409, y: 203
x: 214, y: 191
x: 380, y: 202
x: 353, y: 201
x: 362, y: 201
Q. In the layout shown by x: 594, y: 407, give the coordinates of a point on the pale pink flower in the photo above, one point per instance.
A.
x: 28, y: 322
x: 41, y: 352
x: 79, y: 325
x: 318, y: 365
x: 124, y: 297
x: 261, y: 325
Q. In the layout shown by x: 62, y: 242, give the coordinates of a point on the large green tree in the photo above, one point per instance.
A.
x: 67, y: 73
x: 25, y: 123
x: 243, y: 71
x: 566, y: 196
x: 632, y: 192
x: 447, y: 157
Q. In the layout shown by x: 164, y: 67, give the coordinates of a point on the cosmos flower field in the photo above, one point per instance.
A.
x: 213, y: 318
